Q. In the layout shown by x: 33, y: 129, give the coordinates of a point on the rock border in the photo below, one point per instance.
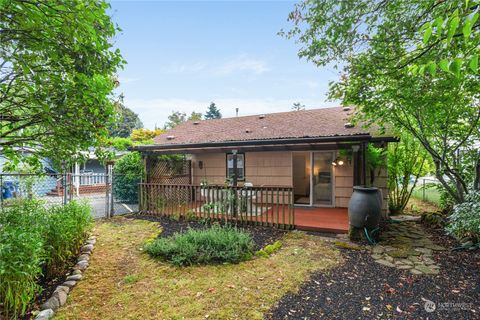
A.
x: 59, y: 296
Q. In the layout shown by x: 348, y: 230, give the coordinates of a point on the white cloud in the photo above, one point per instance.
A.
x: 182, y: 68
x: 155, y: 111
x: 242, y: 63
x: 238, y: 64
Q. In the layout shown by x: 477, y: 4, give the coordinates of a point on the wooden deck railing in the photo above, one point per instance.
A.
x: 266, y: 205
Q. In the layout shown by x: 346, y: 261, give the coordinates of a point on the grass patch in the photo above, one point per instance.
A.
x: 429, y: 193
x: 217, y: 244
x: 269, y: 249
x: 224, y: 291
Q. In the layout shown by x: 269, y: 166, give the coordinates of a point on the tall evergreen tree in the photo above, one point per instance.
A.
x: 212, y: 112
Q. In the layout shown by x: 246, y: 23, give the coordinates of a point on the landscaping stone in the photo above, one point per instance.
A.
x: 82, y: 265
x: 51, y: 303
x: 87, y: 248
x: 377, y: 256
x: 425, y: 251
x: 76, y: 271
x: 388, y: 258
x: 85, y: 257
x: 378, y: 249
x: 404, y: 267
x: 69, y: 283
x: 415, y: 271
x: 425, y: 269
x: 435, y: 247
x: 75, y: 277
x: 91, y: 241
x: 45, y: 314
x: 61, y: 296
x: 385, y: 263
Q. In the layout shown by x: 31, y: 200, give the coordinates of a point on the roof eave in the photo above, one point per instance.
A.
x: 222, y: 144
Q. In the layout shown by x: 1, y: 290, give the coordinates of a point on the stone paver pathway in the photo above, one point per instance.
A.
x: 404, y: 245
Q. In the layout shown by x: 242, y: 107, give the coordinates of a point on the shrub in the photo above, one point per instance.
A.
x: 32, y: 239
x: 66, y: 229
x: 465, y: 220
x: 128, y: 173
x: 216, y: 244
x: 21, y: 256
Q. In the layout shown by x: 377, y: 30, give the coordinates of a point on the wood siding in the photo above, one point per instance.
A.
x: 275, y: 169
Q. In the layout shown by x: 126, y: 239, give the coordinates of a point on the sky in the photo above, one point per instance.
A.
x: 183, y: 55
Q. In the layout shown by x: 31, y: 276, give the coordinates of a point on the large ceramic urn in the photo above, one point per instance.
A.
x: 365, y: 207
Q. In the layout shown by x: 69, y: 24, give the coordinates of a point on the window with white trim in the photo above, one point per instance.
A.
x: 240, y: 166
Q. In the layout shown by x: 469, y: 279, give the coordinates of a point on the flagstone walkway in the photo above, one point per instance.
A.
x: 405, y: 246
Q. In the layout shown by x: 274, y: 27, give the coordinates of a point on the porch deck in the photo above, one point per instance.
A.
x: 321, y: 219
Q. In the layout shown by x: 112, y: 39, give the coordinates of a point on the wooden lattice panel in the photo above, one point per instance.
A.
x: 169, y: 171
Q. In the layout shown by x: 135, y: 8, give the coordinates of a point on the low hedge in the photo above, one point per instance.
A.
x: 217, y: 244
x: 36, y: 242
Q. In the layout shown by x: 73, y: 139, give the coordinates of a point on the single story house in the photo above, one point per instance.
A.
x: 315, y: 156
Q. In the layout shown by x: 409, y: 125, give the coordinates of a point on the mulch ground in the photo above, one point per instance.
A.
x: 363, y: 289
x: 262, y: 236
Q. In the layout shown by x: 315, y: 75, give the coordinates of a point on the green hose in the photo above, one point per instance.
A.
x: 370, y: 236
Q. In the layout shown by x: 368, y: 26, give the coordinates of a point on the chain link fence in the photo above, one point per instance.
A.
x: 427, y: 190
x: 108, y: 194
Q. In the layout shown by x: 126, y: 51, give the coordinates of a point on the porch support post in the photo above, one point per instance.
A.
x: 235, y: 167
x: 356, y: 165
x: 364, y: 163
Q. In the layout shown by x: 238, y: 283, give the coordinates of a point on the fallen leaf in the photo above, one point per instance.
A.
x: 389, y: 307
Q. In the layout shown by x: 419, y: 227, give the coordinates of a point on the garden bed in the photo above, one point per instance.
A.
x: 361, y: 288
x: 261, y: 235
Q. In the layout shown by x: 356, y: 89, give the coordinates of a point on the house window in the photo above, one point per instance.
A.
x: 240, y: 166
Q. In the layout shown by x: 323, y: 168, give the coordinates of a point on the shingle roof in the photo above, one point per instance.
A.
x: 325, y: 122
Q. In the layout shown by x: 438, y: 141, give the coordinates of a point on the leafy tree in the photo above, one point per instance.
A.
x: 212, y: 112
x: 145, y: 134
x: 129, y: 172
x: 453, y: 33
x: 125, y: 122
x: 406, y: 160
x: 195, y: 116
x: 384, y: 77
x: 57, y: 69
x: 297, y: 106
x: 175, y: 118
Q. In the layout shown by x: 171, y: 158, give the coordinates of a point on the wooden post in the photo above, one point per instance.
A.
x: 356, y: 165
x: 364, y: 163
x: 235, y: 168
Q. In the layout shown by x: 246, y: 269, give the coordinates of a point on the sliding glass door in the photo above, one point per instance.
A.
x: 322, y: 178
x: 313, y: 178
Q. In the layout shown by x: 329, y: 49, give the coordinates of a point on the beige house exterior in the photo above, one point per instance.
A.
x: 275, y: 168
x: 305, y: 159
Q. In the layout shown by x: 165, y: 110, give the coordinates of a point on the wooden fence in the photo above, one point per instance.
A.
x: 266, y: 205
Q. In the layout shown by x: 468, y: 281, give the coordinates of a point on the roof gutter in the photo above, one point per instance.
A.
x: 352, y: 138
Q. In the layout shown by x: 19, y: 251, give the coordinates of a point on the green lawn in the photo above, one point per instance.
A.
x: 428, y: 194
x: 123, y: 282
